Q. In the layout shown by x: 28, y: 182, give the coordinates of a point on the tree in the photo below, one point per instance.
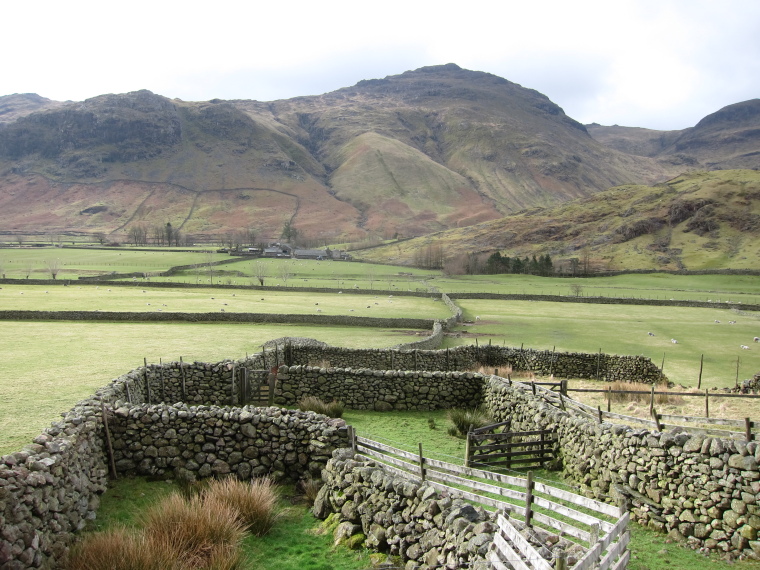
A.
x: 289, y: 233
x: 260, y: 271
x: 100, y: 237
x: 54, y: 267
x: 2, y: 268
x: 169, y: 233
x: 285, y: 272
x: 210, y: 264
x: 576, y: 289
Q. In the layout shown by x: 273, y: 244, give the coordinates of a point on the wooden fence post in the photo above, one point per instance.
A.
x: 594, y: 531
x: 232, y: 386
x: 551, y: 362
x: 467, y: 450
x: 111, y: 461
x: 145, y: 375
x: 184, y: 380
x: 560, y: 562
x: 422, y: 464
x: 599, y: 409
x: 656, y: 419
x: 609, y: 398
x: 651, y: 400
x: 737, y: 372
x: 598, y: 363
x: 699, y: 382
x: 662, y: 365
x: 563, y: 387
x: 707, y: 403
x: 529, y: 499
x: 748, y: 429
x: 163, y: 384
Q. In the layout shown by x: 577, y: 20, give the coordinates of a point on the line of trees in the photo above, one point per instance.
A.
x: 497, y: 263
x: 166, y: 235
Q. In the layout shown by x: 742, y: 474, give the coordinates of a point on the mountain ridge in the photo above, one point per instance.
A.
x: 408, y: 154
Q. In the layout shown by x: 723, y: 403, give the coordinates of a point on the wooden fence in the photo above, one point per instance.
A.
x: 600, y: 529
x: 510, y: 449
x: 746, y: 429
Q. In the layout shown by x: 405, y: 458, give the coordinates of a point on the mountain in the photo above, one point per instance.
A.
x: 696, y: 221
x: 21, y: 104
x: 726, y: 139
x: 431, y: 149
x: 409, y: 154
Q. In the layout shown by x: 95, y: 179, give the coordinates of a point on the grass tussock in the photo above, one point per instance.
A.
x: 332, y: 409
x: 642, y: 393
x: 196, y: 529
x: 254, y: 501
x: 506, y: 371
x: 118, y: 549
x: 463, y: 419
x: 309, y: 488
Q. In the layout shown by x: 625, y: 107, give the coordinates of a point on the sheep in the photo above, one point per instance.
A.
x: 717, y: 321
x: 731, y: 322
x: 674, y: 341
x: 477, y: 318
x: 650, y: 333
x: 757, y: 339
x: 744, y: 347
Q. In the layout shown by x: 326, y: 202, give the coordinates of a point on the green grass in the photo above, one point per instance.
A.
x: 15, y: 262
x: 293, y: 541
x: 207, y: 300
x: 618, y: 329
x: 65, y: 362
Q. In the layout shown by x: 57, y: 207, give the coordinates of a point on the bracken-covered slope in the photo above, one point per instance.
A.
x: 697, y: 221
x: 427, y: 150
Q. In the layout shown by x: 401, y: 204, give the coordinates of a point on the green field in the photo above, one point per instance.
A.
x: 27, y: 297
x: 623, y: 329
x: 46, y: 367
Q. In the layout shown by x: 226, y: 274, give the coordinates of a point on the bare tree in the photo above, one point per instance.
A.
x: 260, y: 271
x: 100, y: 237
x: 210, y: 264
x: 576, y: 289
x: 54, y: 267
x: 2, y: 268
x: 286, y: 272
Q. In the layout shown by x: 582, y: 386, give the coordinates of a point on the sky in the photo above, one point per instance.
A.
x: 658, y: 64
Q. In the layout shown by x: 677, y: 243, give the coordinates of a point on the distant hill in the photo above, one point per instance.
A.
x: 726, y: 139
x: 431, y: 149
x: 697, y: 221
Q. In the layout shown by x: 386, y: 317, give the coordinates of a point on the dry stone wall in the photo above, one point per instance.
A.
x: 700, y: 489
x: 402, y: 517
x: 381, y: 390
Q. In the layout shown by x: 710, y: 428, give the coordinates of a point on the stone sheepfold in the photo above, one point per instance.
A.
x: 188, y: 421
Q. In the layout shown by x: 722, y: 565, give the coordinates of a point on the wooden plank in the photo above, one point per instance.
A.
x: 617, y: 550
x: 470, y: 472
x: 403, y: 465
x: 617, y: 529
x: 382, y: 447
x: 485, y: 487
x: 568, y: 529
x: 590, y: 559
x: 572, y: 513
x: 514, y: 559
x: 490, y: 427
x: 693, y: 419
x: 524, y: 547
x: 579, y: 500
x: 495, y: 561
x: 479, y: 498
x: 541, y: 446
x: 623, y: 562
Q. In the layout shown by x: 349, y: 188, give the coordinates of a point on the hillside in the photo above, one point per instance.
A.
x: 426, y: 150
x: 704, y: 220
x: 726, y: 139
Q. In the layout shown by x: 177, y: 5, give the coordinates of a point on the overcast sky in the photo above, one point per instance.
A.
x: 660, y: 64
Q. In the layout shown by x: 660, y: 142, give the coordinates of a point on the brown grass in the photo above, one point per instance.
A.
x: 506, y: 371
x: 332, y: 409
x: 643, y: 393
x: 117, y: 549
x: 198, y: 530
x: 309, y: 487
x: 254, y: 501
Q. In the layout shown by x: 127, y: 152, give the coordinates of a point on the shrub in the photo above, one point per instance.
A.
x: 333, y: 409
x: 254, y: 501
x: 464, y: 418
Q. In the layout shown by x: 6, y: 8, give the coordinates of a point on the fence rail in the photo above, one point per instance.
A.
x: 600, y: 528
x: 749, y: 430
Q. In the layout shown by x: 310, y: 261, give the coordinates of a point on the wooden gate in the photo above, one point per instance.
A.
x: 510, y: 449
x: 257, y: 387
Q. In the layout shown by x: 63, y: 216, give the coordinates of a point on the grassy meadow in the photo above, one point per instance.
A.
x: 93, y: 297
x: 46, y: 367
x: 623, y: 329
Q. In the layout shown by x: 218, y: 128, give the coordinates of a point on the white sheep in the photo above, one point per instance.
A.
x: 757, y: 339
x: 744, y: 347
x: 674, y: 341
x: 477, y: 318
x: 717, y: 321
